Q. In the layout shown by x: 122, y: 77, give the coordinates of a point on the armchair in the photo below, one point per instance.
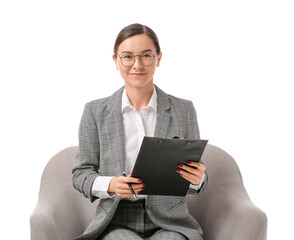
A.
x: 224, y: 209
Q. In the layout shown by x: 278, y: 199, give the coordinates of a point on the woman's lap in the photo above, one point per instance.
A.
x: 119, y: 233
x: 132, y: 222
x: 167, y: 235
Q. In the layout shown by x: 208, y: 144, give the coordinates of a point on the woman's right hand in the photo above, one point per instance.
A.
x: 119, y: 186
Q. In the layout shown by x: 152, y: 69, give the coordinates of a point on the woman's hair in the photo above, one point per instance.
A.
x: 132, y: 30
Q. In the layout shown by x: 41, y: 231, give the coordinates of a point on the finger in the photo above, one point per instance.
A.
x: 128, y: 193
x: 125, y: 180
x: 137, y: 191
x: 192, y: 178
x: 192, y: 181
x: 193, y: 167
x: 125, y: 185
x: 189, y: 175
x: 130, y: 179
x: 122, y: 186
x: 138, y: 186
x: 195, y: 172
x: 189, y: 169
x: 123, y: 191
x: 186, y: 168
x: 197, y: 165
x: 124, y: 195
x: 125, y: 188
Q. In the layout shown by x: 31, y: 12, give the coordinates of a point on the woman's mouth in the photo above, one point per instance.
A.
x: 137, y: 74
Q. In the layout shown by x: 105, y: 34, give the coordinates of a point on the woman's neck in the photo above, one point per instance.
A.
x: 139, y: 97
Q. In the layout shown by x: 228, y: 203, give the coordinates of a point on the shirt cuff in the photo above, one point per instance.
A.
x: 100, y: 186
x: 197, y: 187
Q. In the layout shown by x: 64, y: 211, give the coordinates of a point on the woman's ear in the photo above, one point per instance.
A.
x: 115, y: 61
x: 159, y: 59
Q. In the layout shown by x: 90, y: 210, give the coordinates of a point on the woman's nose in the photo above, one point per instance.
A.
x: 137, y: 63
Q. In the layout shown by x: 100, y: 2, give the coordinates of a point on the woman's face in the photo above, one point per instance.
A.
x: 137, y: 75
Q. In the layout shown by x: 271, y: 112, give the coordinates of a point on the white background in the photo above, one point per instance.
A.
x: 233, y: 59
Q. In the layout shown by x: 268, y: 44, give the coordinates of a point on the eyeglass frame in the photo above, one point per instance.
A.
x: 135, y: 59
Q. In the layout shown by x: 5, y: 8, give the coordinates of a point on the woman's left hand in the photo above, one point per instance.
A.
x: 194, y: 172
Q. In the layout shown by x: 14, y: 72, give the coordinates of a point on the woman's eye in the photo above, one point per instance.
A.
x: 127, y: 56
x: 147, y: 56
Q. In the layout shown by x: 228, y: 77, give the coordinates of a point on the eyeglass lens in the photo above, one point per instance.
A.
x: 128, y: 60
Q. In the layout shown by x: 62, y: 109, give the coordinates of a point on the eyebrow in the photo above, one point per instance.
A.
x: 147, y: 50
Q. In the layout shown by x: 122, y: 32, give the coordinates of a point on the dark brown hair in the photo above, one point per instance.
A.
x: 135, y: 29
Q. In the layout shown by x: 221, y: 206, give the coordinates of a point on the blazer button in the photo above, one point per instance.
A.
x: 148, y: 207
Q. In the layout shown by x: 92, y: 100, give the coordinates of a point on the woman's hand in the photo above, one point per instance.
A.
x: 119, y: 186
x: 193, y: 173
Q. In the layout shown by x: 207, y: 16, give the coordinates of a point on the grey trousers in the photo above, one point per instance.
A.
x: 132, y: 222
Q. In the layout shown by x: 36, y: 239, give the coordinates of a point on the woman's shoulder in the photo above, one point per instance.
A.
x: 180, y: 105
x: 106, y: 102
x: 176, y: 103
x: 98, y: 102
x: 171, y: 98
x: 175, y: 99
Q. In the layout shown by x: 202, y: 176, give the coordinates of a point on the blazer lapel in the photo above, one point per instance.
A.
x: 114, y: 121
x: 163, y: 114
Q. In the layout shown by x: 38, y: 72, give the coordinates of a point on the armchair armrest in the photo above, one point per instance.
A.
x: 224, y: 209
x: 230, y: 217
x: 239, y: 221
x: 61, y: 213
x: 43, y: 223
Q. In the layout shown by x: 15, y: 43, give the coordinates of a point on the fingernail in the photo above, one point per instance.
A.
x: 178, y: 170
x: 180, y: 166
x: 189, y: 162
x: 140, y: 181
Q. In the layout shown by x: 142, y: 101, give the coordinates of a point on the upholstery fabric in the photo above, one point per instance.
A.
x: 224, y: 210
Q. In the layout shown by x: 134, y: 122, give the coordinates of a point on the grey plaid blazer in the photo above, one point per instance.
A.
x: 101, y: 152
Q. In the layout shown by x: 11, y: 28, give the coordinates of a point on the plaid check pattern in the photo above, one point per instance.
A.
x: 132, y: 222
x: 101, y: 152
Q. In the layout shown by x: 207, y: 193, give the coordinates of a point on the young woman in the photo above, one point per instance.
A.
x: 110, y: 135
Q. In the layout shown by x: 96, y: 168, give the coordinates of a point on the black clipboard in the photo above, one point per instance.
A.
x: 158, y: 160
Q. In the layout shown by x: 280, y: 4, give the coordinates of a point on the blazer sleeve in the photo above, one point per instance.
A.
x: 86, y: 163
x: 192, y: 132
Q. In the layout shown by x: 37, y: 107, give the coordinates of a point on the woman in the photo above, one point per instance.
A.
x: 110, y: 135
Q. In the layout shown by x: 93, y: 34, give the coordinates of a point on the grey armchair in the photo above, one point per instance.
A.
x: 224, y: 209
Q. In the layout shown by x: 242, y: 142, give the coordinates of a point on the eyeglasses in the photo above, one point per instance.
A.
x: 128, y: 60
